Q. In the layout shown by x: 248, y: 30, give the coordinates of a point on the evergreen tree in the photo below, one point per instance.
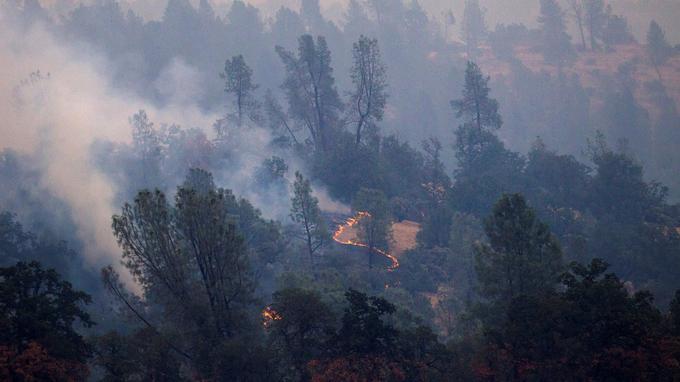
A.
x: 146, y: 144
x: 473, y: 27
x: 367, y: 100
x: 658, y: 48
x: 577, y: 13
x: 555, y: 42
x: 301, y: 328
x: 476, y: 107
x: 522, y: 257
x: 36, y: 305
x: 595, y: 18
x: 305, y: 211
x: 238, y: 83
x: 313, y: 101
x: 486, y: 168
x: 374, y: 229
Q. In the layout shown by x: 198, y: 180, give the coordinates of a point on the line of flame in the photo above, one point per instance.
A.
x: 351, y: 222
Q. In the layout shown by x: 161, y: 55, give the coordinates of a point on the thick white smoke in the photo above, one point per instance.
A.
x: 57, y: 115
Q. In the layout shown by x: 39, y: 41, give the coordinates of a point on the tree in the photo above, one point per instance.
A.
x: 555, y: 42
x: 473, y: 27
x: 486, y: 168
x: 39, y: 313
x: 436, y: 227
x: 522, y: 257
x: 146, y: 143
x: 192, y: 261
x: 577, y: 13
x: 313, y: 100
x: 374, y: 227
x: 139, y: 356
x: 674, y: 310
x: 593, y: 329
x: 363, y: 330
x: 303, y: 328
x: 305, y: 211
x: 367, y: 101
x: 595, y: 19
x: 278, y: 120
x: 658, y: 48
x: 238, y: 83
x: 476, y: 107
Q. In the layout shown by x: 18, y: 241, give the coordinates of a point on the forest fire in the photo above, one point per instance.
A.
x: 353, y: 221
x: 269, y: 315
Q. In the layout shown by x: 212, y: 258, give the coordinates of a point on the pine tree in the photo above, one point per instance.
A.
x: 239, y: 84
x: 555, y: 42
x: 313, y: 100
x: 374, y: 229
x: 522, y: 257
x: 305, y: 211
x: 473, y: 27
x: 658, y: 48
x: 595, y: 18
x: 476, y: 107
x: 367, y: 102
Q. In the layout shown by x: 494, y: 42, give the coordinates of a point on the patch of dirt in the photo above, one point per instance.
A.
x: 403, y: 236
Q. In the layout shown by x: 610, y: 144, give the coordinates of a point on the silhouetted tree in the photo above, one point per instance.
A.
x: 555, y: 42
x: 39, y: 316
x: 303, y: 327
x: 522, y: 256
x: 595, y: 18
x: 658, y: 48
x: 313, y: 100
x: 367, y: 100
x: 374, y: 229
x: 473, y: 27
x: 238, y: 83
x: 305, y: 212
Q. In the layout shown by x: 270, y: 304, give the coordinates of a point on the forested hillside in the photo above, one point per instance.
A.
x: 236, y: 194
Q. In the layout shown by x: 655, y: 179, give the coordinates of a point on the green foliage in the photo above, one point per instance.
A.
x: 473, y: 27
x: 374, y: 229
x: 367, y: 101
x: 555, y: 41
x: 139, y: 356
x: 36, y: 305
x: 313, y: 101
x: 363, y: 330
x: 302, y: 327
x: 239, y: 84
x: 658, y: 48
x: 522, y: 257
x: 306, y: 213
x: 475, y: 106
x: 192, y: 261
x: 674, y: 311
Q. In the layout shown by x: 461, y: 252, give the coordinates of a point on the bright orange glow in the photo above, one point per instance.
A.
x: 351, y: 222
x: 269, y: 315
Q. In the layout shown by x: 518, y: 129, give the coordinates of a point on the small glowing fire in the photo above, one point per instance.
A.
x: 351, y: 222
x: 269, y: 315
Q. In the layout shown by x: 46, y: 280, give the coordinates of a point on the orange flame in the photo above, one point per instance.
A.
x: 269, y: 315
x: 351, y: 222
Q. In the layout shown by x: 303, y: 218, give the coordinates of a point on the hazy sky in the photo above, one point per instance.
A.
x: 638, y: 12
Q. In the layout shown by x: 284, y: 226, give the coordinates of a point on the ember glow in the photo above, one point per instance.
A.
x: 353, y: 221
x: 269, y: 315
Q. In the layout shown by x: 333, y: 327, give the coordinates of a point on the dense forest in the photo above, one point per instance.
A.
x: 224, y: 193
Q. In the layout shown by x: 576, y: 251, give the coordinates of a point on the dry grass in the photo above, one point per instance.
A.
x: 589, y: 64
x: 403, y: 237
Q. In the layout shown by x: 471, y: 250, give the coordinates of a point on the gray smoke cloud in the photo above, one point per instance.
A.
x: 58, y: 114
x: 57, y: 100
